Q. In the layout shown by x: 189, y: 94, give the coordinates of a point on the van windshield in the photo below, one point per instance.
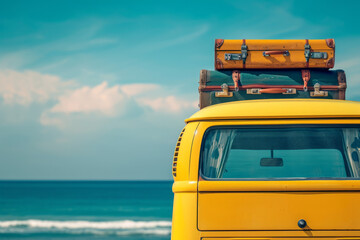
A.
x: 283, y: 152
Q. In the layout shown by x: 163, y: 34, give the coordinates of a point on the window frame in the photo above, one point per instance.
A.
x: 276, y: 126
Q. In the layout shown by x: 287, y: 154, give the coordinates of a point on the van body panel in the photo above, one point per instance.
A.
x: 299, y: 234
x: 184, y: 217
x: 278, y: 210
x: 241, y: 238
x: 279, y: 109
x: 254, y: 204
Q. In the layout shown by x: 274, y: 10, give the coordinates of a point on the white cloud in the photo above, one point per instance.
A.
x: 108, y: 100
x: 100, y: 98
x: 138, y: 88
x: 112, y: 101
x: 29, y: 87
x: 170, y: 104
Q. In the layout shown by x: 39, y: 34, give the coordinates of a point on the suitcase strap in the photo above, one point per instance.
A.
x: 265, y: 89
x: 244, y: 52
x: 263, y: 86
x: 236, y: 79
x: 305, y: 74
x: 307, y: 52
x: 227, y: 91
x: 316, y: 93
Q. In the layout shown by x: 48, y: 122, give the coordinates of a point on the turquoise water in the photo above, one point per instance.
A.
x: 130, y: 210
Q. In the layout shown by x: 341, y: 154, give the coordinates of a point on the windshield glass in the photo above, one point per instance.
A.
x: 287, y: 152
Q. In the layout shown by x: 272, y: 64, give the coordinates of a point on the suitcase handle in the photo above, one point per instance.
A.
x: 268, y: 53
x: 273, y: 90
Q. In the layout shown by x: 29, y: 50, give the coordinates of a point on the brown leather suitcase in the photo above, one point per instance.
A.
x: 268, y: 54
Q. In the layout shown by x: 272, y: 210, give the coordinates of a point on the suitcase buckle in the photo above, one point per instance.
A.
x: 317, y: 92
x: 319, y: 55
x: 238, y: 56
x: 290, y: 91
x: 233, y: 56
x: 253, y: 91
x: 225, y: 91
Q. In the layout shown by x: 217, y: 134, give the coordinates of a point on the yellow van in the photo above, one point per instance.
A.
x: 269, y: 169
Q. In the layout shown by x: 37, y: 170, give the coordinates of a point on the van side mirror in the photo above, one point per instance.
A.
x: 271, y: 162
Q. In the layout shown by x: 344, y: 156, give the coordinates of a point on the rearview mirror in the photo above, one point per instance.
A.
x: 271, y: 162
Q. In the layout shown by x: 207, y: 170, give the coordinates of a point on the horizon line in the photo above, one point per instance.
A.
x: 90, y: 180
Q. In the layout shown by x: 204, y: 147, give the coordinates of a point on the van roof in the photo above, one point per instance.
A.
x: 279, y: 109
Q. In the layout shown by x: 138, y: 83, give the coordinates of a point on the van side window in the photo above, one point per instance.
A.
x: 272, y: 153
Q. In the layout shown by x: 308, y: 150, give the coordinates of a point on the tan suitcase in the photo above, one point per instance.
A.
x: 267, y: 54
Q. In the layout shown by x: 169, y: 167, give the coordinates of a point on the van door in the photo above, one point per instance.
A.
x: 280, y: 177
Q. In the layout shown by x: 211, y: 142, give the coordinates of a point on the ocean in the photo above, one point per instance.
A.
x: 129, y: 210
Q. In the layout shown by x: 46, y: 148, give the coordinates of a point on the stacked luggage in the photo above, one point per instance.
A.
x: 264, y: 69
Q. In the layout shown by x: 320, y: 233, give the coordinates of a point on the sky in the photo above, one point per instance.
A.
x: 99, y: 90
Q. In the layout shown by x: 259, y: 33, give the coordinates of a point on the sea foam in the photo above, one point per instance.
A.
x: 125, y: 224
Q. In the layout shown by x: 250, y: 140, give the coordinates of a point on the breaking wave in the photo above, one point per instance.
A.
x: 125, y: 227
